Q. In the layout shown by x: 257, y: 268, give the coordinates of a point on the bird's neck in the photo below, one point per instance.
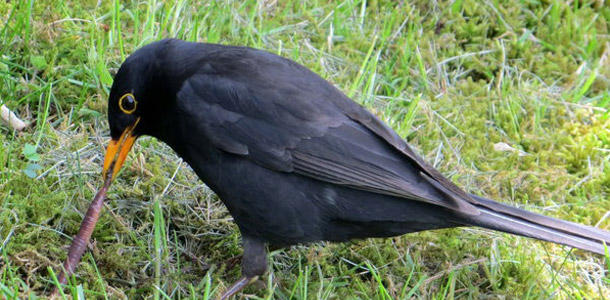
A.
x: 183, y: 136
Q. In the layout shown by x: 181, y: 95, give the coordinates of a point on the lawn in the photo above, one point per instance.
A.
x: 509, y: 99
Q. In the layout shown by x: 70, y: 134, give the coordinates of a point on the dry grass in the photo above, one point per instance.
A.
x: 454, y: 78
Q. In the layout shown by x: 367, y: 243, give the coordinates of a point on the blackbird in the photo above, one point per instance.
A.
x: 294, y: 159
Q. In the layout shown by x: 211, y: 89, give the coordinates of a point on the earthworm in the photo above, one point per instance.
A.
x: 80, y: 241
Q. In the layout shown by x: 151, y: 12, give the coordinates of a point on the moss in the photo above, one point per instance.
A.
x: 484, y: 73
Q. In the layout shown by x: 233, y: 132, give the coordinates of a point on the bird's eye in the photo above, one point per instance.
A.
x: 128, y: 103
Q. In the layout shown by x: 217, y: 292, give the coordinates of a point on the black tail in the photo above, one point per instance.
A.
x: 510, y: 219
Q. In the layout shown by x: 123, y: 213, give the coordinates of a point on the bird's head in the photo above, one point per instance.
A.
x: 137, y: 102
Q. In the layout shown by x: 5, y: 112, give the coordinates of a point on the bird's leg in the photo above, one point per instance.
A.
x: 254, y: 264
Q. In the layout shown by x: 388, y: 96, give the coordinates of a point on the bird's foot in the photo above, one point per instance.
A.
x: 237, y: 286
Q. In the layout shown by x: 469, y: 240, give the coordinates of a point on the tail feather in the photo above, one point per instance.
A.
x: 513, y: 220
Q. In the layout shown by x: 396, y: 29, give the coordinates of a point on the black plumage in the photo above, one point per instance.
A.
x: 293, y: 158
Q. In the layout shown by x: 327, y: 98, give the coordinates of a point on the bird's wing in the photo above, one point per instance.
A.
x: 316, y: 131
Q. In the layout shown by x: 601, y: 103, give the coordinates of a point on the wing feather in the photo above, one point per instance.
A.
x: 288, y: 119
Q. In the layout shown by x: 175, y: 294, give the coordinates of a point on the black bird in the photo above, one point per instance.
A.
x: 293, y: 158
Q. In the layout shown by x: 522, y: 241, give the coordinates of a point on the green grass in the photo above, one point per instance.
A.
x: 454, y: 78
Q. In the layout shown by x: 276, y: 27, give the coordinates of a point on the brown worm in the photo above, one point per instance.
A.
x: 80, y: 241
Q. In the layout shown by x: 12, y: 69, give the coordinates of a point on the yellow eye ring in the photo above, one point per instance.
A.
x: 128, y: 103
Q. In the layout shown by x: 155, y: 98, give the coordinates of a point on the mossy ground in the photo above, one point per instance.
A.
x: 508, y: 98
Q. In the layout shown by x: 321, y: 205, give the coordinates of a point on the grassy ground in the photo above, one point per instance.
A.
x: 508, y: 98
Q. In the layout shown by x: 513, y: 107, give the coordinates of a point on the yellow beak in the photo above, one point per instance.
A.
x: 117, y: 151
